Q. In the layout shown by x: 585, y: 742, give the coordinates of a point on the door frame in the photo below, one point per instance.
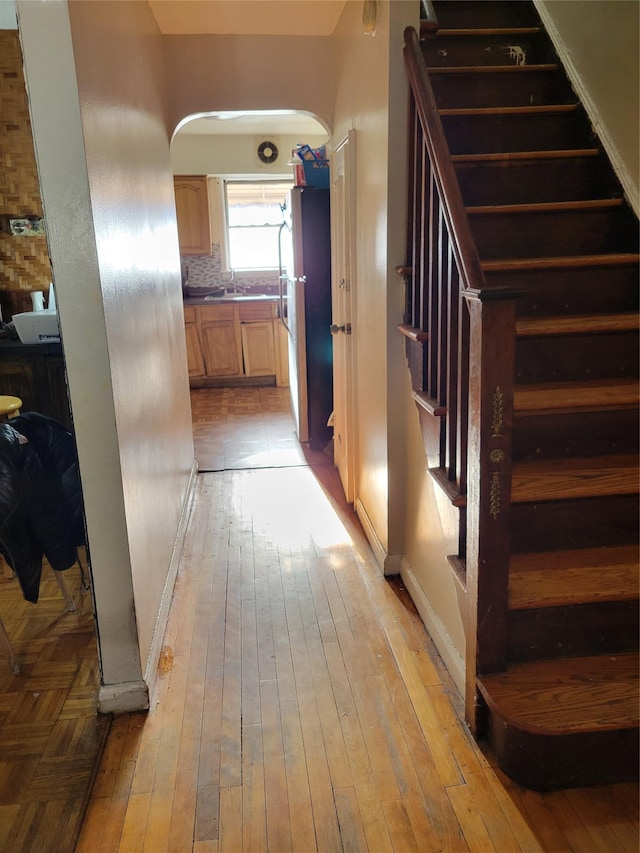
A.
x: 344, y: 300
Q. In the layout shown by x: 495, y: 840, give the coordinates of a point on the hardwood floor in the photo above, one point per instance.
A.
x: 50, y: 735
x: 300, y: 704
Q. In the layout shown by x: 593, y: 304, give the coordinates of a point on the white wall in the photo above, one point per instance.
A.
x: 195, y: 154
x: 95, y: 81
x: 599, y: 43
x: 371, y: 98
x: 217, y: 73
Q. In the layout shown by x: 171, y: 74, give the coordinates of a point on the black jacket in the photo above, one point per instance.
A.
x: 40, y: 498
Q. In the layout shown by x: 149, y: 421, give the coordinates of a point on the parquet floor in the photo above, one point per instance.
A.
x: 300, y: 705
x: 50, y: 734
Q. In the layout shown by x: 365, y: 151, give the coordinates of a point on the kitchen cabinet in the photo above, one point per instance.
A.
x: 221, y: 348
x: 234, y: 342
x: 192, y: 213
x: 195, y: 361
x: 258, y: 348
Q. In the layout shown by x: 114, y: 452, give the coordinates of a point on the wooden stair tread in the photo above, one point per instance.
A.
x: 560, y: 479
x: 543, y: 207
x: 567, y: 695
x: 567, y: 262
x: 487, y: 31
x: 577, y: 324
x: 573, y: 396
x: 563, y: 578
x: 552, y: 154
x: 490, y: 69
x: 495, y: 111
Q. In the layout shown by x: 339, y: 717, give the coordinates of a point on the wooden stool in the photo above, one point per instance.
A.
x: 9, y: 407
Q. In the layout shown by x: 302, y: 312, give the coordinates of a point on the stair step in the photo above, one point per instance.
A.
x: 563, y: 479
x: 567, y: 695
x: 510, y: 265
x: 534, y: 176
x: 547, y: 207
x: 559, y: 578
x: 572, y: 396
x: 500, y: 86
x: 591, y: 522
x: 577, y: 432
x: 565, y: 722
x: 497, y: 14
x: 587, y: 284
x: 511, y: 129
x: 513, y: 111
x: 577, y: 324
x: 481, y: 32
x: 557, y: 229
x: 458, y: 70
x: 520, y: 46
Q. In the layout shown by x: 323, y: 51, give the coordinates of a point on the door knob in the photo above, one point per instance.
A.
x: 346, y: 327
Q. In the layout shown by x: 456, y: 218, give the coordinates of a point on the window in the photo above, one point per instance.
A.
x: 254, y: 215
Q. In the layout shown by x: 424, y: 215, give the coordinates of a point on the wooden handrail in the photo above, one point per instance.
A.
x: 466, y: 255
x: 460, y: 340
x: 457, y: 222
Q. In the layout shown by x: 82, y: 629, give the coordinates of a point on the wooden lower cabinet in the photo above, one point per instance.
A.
x: 233, y: 340
x: 220, y: 349
x: 258, y: 349
x: 195, y: 361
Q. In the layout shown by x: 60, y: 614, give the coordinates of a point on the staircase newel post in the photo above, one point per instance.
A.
x: 491, y: 377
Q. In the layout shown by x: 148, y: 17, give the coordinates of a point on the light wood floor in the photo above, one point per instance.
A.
x: 300, y: 705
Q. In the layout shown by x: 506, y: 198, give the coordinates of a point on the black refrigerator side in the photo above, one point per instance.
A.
x: 316, y: 247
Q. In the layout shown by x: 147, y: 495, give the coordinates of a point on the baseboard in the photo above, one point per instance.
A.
x: 432, y: 622
x: 123, y: 698
x: 151, y: 668
x: 379, y: 552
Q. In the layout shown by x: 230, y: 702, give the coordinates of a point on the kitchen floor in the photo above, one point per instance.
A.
x: 248, y: 427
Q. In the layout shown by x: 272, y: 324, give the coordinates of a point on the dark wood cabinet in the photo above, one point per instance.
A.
x: 36, y: 374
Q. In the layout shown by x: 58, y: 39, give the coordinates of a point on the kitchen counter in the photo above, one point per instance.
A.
x: 10, y: 347
x: 230, y: 297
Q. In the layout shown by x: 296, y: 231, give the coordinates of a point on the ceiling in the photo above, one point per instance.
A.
x: 247, y: 17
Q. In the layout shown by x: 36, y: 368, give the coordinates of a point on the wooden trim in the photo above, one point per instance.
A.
x: 412, y: 333
x: 431, y: 406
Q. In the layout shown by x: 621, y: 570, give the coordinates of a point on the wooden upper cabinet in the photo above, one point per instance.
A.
x: 192, y: 211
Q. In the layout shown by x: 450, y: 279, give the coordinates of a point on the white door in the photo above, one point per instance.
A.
x: 343, y: 304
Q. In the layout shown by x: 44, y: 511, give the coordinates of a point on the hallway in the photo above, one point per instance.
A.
x: 300, y: 705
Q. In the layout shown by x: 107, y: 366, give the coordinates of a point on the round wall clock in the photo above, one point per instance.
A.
x: 370, y: 16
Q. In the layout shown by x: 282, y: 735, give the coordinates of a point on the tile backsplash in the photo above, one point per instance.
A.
x: 206, y: 271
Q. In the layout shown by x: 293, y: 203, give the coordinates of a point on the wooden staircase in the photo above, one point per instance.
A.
x: 552, y: 609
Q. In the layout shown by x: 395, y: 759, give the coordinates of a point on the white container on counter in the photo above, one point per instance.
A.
x: 37, y: 327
